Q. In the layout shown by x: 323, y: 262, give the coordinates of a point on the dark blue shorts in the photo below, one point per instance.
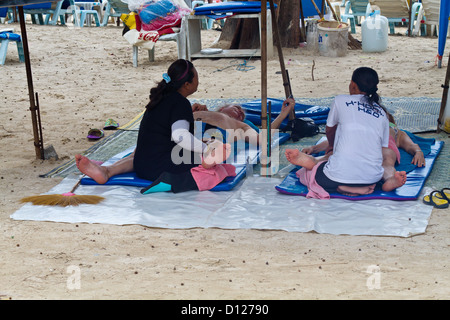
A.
x: 331, y: 186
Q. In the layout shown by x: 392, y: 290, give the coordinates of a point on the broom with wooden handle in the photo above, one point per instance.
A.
x: 64, y: 199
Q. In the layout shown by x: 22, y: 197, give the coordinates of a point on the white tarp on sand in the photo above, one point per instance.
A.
x: 254, y: 204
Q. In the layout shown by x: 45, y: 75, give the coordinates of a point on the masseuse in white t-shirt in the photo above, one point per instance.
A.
x: 357, y: 130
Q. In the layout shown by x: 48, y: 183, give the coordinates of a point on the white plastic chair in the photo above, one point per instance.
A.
x: 431, y: 10
x: 113, y: 8
x: 398, y: 11
x: 178, y: 37
x: 8, y: 35
x: 353, y: 10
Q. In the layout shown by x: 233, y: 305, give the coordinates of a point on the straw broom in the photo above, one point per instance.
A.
x: 63, y: 200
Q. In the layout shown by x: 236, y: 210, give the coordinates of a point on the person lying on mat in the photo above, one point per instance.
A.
x: 231, y: 116
x: 155, y: 145
x: 358, y: 134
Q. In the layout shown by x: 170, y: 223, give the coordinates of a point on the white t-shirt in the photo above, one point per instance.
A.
x: 362, y: 131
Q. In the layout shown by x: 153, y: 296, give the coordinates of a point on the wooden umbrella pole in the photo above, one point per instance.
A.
x: 263, y: 137
x: 287, y: 89
x: 317, y: 9
x: 409, y: 20
x: 39, y: 124
x: 333, y: 12
x: 34, y: 110
x: 444, y: 96
x: 263, y: 66
x: 302, y: 18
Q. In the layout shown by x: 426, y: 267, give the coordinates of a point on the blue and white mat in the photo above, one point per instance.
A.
x: 411, y: 190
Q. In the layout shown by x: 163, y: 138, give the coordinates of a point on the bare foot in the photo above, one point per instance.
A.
x: 218, y: 154
x: 395, y: 181
x: 298, y: 158
x: 91, y: 169
x: 356, y: 191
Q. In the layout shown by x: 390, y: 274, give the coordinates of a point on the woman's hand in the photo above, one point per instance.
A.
x: 288, y: 106
x: 199, y: 107
x: 418, y: 159
x: 217, y: 152
x: 309, y: 150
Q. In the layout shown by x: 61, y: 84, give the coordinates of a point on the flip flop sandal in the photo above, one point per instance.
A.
x: 95, y: 134
x: 110, y: 124
x: 445, y: 192
x: 436, y: 200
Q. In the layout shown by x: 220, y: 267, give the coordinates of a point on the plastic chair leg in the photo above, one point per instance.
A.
x: 135, y: 56
x: 352, y: 24
x: 392, y: 27
x: 83, y: 15
x: 151, y: 54
x: 20, y: 51
x: 209, y: 24
x: 3, y: 49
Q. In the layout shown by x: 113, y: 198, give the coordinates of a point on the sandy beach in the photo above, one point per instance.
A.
x: 85, y: 76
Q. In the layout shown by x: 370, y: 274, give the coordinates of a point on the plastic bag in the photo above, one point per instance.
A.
x: 133, y: 34
x: 135, y: 5
x: 158, y: 15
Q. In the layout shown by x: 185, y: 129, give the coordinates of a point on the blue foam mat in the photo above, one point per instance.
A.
x: 131, y: 179
x: 409, y: 191
x: 301, y: 110
x: 256, y: 119
x: 221, y: 10
x: 253, y: 111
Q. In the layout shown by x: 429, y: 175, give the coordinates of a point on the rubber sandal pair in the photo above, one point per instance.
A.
x: 438, y: 199
x: 95, y: 134
x: 110, y: 124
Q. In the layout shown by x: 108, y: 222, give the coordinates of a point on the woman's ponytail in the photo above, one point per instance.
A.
x: 179, y: 72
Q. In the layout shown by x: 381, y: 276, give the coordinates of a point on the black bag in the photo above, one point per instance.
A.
x: 302, y: 127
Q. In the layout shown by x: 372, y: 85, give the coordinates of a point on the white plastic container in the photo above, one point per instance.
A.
x: 446, y: 117
x: 333, y: 38
x: 312, y: 38
x: 374, y: 33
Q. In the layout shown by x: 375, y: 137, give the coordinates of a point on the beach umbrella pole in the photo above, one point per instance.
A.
x: 263, y: 137
x: 444, y: 97
x: 34, y: 108
x: 286, y: 84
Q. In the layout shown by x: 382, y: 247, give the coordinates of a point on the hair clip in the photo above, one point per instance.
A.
x: 166, y: 77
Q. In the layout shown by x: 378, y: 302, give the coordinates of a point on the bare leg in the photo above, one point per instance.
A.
x: 394, y: 182
x: 405, y: 142
x: 101, y: 174
x: 356, y: 191
x: 298, y: 158
x: 392, y: 179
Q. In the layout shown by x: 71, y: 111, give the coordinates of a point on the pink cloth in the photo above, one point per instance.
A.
x: 393, y: 146
x: 207, y: 179
x: 308, y: 178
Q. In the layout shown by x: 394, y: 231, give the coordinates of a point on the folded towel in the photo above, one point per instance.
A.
x: 308, y: 179
x: 207, y: 179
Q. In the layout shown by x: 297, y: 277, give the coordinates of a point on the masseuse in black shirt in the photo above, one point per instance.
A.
x: 166, y: 149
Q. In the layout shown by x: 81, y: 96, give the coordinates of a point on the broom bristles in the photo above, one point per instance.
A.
x: 62, y: 200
